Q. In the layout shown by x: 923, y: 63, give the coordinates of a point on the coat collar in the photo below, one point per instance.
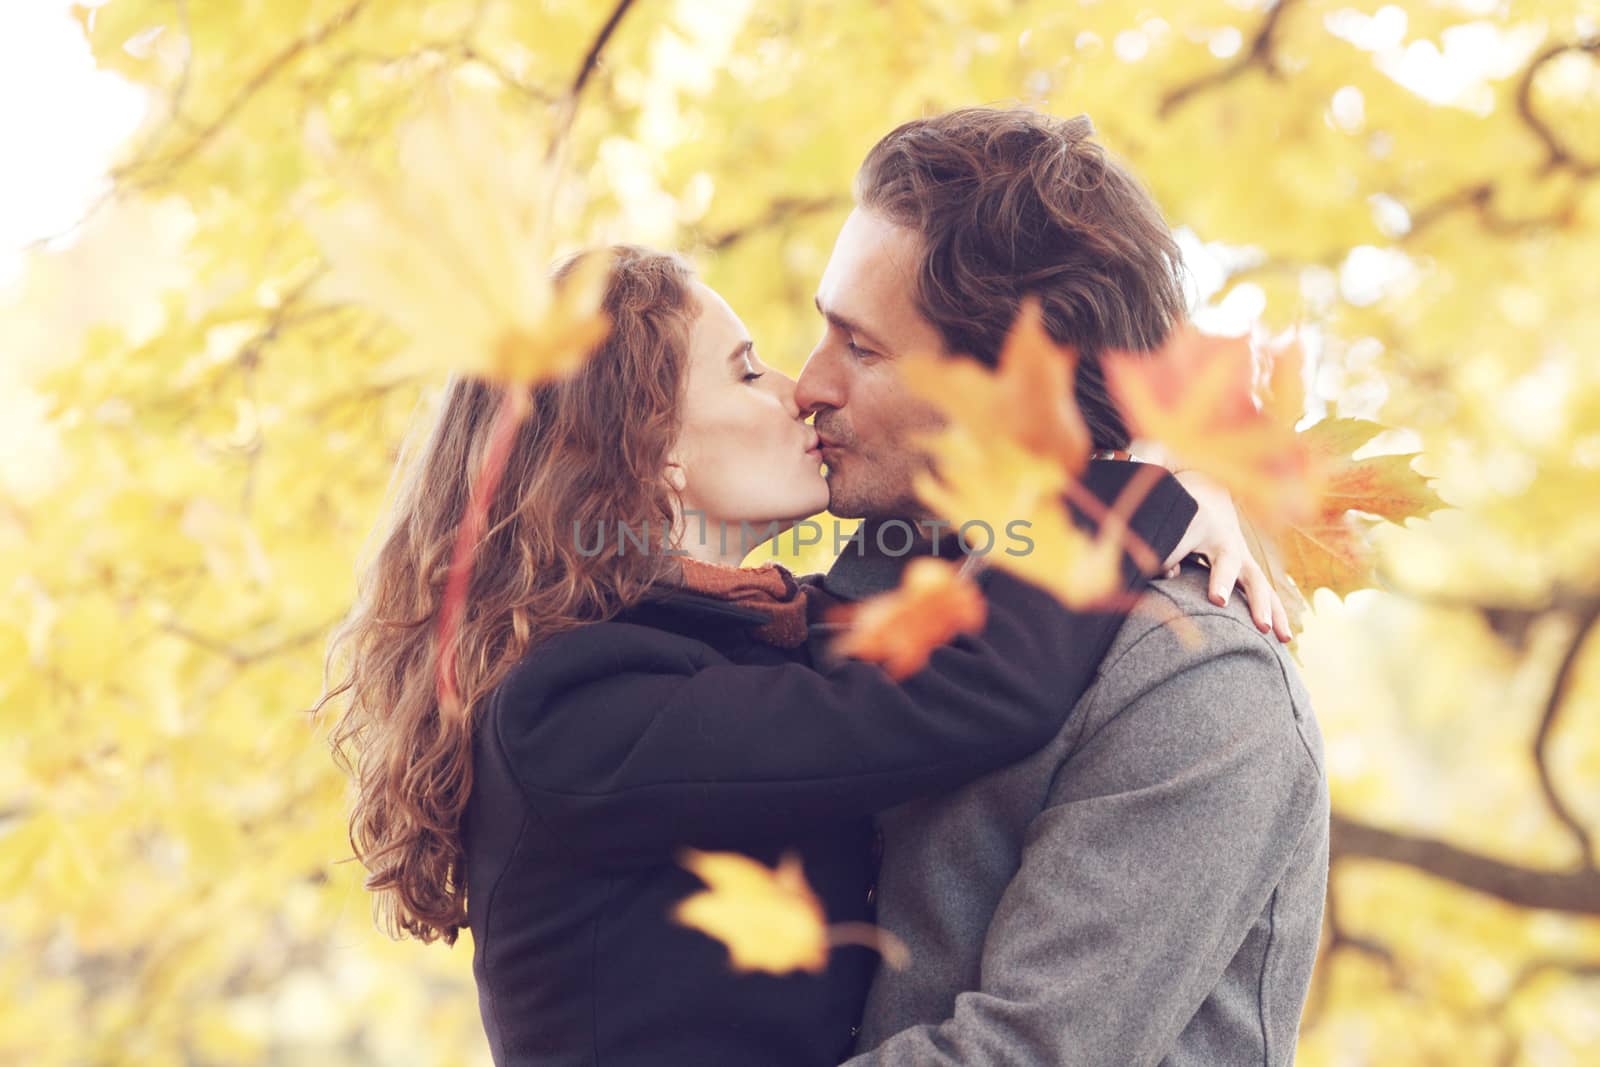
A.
x: 676, y: 608
x: 866, y: 567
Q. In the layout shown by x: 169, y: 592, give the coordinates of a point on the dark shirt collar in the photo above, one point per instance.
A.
x: 872, y: 561
x: 673, y: 607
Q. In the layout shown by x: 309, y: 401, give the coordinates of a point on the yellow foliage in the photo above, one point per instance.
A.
x: 205, y: 431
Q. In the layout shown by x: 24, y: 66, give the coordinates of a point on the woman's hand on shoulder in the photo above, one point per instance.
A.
x: 1216, y: 535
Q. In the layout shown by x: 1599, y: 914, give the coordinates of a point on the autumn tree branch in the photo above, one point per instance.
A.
x: 782, y: 210
x: 1478, y: 197
x: 1558, y: 154
x: 141, y: 170
x: 1536, y: 969
x: 1577, y: 892
x: 245, y: 657
x: 591, y: 59
x: 129, y: 172
x: 1547, y: 722
x: 1337, y: 938
x: 1259, y: 54
x: 1512, y: 624
x: 451, y: 50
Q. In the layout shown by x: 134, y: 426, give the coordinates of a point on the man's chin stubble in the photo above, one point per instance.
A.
x: 843, y: 504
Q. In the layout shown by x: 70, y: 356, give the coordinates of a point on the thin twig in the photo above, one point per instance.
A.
x: 1547, y: 722
x: 1259, y: 54
x: 591, y: 59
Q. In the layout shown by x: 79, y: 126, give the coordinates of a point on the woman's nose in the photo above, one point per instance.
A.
x: 785, y: 386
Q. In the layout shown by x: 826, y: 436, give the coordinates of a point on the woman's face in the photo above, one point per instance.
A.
x: 743, y: 454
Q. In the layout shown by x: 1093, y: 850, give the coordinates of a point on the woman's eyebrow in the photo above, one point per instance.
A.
x: 739, y: 352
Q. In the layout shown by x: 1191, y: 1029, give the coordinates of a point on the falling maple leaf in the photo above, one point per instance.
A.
x: 455, y: 245
x: 769, y: 918
x: 1306, y: 504
x: 1011, y: 446
x: 1028, y: 397
x: 900, y: 628
x: 1332, y: 549
x: 993, y: 480
x: 1282, y: 387
x: 1196, y: 396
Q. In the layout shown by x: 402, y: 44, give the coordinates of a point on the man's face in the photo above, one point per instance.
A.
x: 864, y: 413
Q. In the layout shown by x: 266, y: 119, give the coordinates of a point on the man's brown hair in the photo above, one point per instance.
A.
x: 1010, y: 201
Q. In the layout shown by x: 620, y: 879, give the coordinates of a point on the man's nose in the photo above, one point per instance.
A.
x: 819, y: 385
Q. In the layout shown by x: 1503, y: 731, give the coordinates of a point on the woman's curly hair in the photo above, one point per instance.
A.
x: 592, y: 451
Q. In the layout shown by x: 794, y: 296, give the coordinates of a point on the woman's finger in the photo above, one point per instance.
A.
x: 1224, y: 575
x: 1280, y: 618
x: 1258, y: 591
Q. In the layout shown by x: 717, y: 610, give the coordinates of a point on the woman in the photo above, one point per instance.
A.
x: 622, y: 704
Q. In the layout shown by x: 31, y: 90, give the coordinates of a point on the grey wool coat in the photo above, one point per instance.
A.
x: 1146, y: 889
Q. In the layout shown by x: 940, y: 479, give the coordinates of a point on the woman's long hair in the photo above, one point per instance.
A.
x: 590, y: 454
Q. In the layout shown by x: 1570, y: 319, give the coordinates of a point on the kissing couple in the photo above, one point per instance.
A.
x: 1103, y: 842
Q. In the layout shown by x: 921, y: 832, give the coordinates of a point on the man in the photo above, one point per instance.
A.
x: 1148, y: 887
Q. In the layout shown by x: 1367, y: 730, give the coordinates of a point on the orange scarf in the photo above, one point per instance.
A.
x: 769, y: 589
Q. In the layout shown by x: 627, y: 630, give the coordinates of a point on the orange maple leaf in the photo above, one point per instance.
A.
x: 1332, y: 549
x: 900, y: 628
x: 1195, y: 396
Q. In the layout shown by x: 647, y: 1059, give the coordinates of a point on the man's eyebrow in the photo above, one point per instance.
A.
x: 848, y: 325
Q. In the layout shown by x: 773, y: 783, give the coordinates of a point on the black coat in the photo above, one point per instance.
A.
x: 610, y: 747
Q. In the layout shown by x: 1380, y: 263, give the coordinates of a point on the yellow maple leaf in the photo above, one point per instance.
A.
x: 455, y: 245
x: 1009, y: 451
x: 1014, y: 494
x: 769, y: 918
x: 1028, y: 397
x: 985, y: 478
x: 901, y: 628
